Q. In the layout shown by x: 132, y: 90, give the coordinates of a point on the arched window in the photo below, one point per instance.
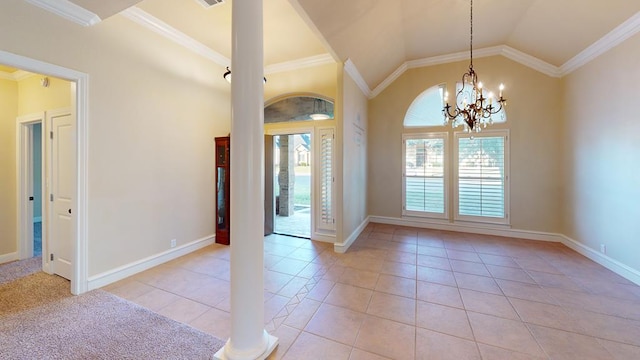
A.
x: 426, y: 109
x: 299, y: 108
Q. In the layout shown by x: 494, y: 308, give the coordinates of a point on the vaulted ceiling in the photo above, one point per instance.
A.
x: 379, y: 36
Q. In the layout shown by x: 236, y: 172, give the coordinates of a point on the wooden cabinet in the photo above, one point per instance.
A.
x: 222, y: 190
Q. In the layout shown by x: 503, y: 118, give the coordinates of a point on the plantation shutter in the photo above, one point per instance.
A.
x: 424, y: 182
x: 326, y: 216
x: 481, y: 176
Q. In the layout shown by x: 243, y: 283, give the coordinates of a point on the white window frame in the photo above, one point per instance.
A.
x: 430, y: 135
x: 482, y: 219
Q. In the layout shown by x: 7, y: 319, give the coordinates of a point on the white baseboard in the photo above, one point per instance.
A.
x: 483, y: 229
x: 617, y: 267
x: 4, y: 258
x: 344, y: 246
x: 125, y: 271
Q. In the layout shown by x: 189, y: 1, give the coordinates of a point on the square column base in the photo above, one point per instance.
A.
x: 271, y: 345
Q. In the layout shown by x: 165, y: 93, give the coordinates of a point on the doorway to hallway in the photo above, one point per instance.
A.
x: 292, y: 184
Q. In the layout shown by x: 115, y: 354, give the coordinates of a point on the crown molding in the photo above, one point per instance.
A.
x: 158, y: 26
x: 311, y: 61
x: 68, y: 10
x: 6, y: 76
x: 530, y: 61
x: 350, y: 68
x: 503, y: 50
x: 616, y: 36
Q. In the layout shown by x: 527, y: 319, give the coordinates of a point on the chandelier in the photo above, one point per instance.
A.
x: 472, y: 108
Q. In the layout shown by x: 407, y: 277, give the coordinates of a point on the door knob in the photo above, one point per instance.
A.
x: 69, y: 211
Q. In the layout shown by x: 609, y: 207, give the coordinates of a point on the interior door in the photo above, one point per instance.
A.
x: 269, y: 203
x: 61, y: 193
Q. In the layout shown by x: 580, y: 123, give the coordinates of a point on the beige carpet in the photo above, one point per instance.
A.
x: 17, y: 269
x: 39, y: 319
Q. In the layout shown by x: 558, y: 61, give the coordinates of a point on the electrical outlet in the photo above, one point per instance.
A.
x: 173, y: 243
x: 603, y: 248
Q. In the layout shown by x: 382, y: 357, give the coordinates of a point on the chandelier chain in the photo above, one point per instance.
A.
x: 471, y: 37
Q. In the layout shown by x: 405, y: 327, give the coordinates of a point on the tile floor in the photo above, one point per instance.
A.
x: 406, y: 293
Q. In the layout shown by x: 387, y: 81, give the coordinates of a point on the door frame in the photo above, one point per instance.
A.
x: 79, y: 108
x: 24, y: 183
x: 294, y: 131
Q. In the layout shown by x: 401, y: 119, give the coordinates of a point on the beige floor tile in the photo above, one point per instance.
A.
x: 184, y: 310
x: 621, y: 351
x: 400, y: 257
x: 504, y: 333
x: 357, y: 354
x: 156, y: 299
x: 477, y: 283
x: 489, y: 304
x: 495, y: 353
x: 431, y: 345
x: 275, y: 281
x: 596, y: 303
x: 432, y: 251
x: 361, y: 278
x: 289, y: 266
x: 443, y: 277
x: 397, y: 286
x: 555, y: 280
x: 320, y: 291
x: 215, y: 322
x: 439, y: 294
x: 433, y: 262
x: 489, y: 259
x: 273, y: 306
x: 130, y: 289
x: 463, y: 255
x: 350, y: 297
x: 364, y: 263
x: 393, y: 307
x: 336, y: 323
x: 444, y: 319
x: 525, y: 291
x: 293, y: 287
x: 398, y: 269
x: 300, y: 316
x: 312, y: 347
x: 387, y: 338
x: 509, y: 273
x: 546, y: 315
x: 286, y: 336
x: 468, y: 267
x: 608, y: 327
x: 560, y: 344
x: 305, y: 254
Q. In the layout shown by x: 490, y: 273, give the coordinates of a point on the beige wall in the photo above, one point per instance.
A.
x: 533, y: 121
x: 8, y: 114
x: 33, y: 97
x: 601, y: 164
x: 154, y: 109
x: 354, y: 161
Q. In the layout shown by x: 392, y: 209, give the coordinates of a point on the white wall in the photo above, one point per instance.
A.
x: 154, y: 109
x: 354, y: 163
x: 601, y: 147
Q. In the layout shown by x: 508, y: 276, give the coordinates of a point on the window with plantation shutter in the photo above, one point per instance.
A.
x: 424, y: 181
x: 326, y: 218
x: 481, y: 186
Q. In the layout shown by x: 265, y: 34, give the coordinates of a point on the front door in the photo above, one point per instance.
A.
x: 61, y: 193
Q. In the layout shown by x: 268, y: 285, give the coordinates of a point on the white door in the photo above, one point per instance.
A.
x: 61, y: 193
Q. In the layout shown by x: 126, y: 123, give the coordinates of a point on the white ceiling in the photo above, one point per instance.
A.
x: 379, y: 36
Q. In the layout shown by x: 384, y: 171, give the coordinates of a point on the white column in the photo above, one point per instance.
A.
x: 249, y: 340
